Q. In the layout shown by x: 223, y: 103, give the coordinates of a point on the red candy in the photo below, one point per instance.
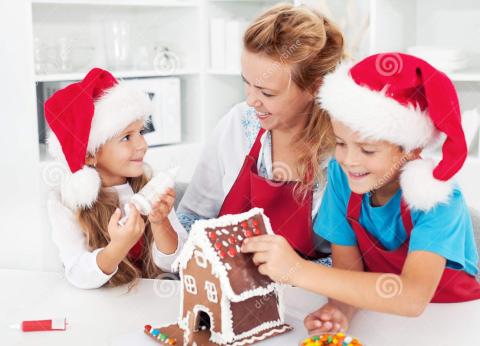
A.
x: 218, y: 245
x: 222, y: 254
x: 232, y: 252
x: 232, y: 240
x: 148, y: 328
x: 248, y: 233
x: 256, y: 231
x: 212, y: 235
x: 254, y: 223
x: 244, y: 224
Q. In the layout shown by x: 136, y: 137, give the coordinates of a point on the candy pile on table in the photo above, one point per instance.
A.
x: 160, y: 336
x: 338, y: 339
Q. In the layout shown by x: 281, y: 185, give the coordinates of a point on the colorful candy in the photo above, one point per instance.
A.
x: 339, y: 339
x: 155, y: 333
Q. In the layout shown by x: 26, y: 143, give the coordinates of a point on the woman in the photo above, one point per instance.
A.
x: 271, y: 151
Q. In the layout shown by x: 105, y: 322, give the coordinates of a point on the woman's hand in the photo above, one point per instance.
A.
x: 162, y: 207
x: 328, y: 319
x: 274, y: 257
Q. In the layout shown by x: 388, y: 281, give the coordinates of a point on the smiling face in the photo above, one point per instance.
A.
x: 121, y: 157
x: 369, y: 165
x: 279, y: 103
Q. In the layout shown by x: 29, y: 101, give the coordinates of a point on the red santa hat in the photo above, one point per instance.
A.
x: 404, y: 100
x: 83, y: 116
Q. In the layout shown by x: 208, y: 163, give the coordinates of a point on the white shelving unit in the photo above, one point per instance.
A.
x: 181, y: 25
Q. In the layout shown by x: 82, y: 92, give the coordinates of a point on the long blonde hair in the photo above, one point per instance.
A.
x: 311, y: 45
x: 94, y: 222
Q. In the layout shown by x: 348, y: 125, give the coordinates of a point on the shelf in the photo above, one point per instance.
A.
x: 224, y: 73
x: 156, y: 3
x: 60, y: 77
x: 465, y: 76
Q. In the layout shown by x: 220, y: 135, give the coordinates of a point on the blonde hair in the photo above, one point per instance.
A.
x: 94, y: 222
x: 311, y: 45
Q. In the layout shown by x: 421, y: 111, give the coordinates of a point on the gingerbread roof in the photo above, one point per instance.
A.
x: 220, y: 240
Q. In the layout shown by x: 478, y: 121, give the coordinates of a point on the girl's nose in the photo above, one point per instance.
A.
x: 142, y: 144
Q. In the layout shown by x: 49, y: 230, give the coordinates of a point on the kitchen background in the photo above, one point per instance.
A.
x: 185, y: 54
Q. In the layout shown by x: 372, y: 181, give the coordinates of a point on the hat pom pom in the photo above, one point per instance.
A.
x: 421, y: 190
x: 80, y: 189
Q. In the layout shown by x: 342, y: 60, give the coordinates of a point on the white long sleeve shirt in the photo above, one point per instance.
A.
x: 81, y: 268
x: 221, y: 161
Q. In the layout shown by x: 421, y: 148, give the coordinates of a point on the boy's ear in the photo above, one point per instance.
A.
x: 90, y: 160
x: 414, y: 154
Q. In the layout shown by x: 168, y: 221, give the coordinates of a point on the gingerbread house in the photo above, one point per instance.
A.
x: 224, y: 299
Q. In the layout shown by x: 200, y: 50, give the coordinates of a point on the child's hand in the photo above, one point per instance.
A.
x: 162, y: 207
x: 328, y: 319
x: 274, y: 257
x: 126, y: 236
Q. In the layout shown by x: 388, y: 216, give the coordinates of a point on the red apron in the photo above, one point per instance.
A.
x: 289, y: 218
x: 135, y: 252
x: 454, y: 286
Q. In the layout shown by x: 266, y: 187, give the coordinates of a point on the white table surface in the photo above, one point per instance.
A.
x: 115, y: 317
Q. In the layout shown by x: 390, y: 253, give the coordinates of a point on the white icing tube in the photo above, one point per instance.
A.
x: 144, y: 199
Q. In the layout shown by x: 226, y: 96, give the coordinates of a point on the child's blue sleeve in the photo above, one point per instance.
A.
x: 447, y: 231
x: 331, y: 222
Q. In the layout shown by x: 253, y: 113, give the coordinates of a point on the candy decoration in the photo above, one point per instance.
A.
x: 222, y: 254
x: 218, y: 245
x: 244, y: 224
x: 232, y: 252
x: 339, y: 339
x: 256, y: 231
x: 148, y: 328
x: 212, y: 235
x: 248, y: 233
x: 254, y: 223
x: 155, y: 332
x: 232, y: 240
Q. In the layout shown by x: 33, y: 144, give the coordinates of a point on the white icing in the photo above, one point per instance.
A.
x: 211, y: 291
x: 200, y: 258
x: 224, y: 231
x: 262, y: 337
x: 190, y: 284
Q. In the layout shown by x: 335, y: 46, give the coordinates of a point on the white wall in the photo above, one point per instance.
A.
x: 19, y: 213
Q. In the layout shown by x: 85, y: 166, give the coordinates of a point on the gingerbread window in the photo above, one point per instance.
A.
x: 190, y: 285
x: 211, y: 291
x: 200, y: 258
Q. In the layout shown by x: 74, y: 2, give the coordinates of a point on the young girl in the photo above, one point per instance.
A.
x: 97, y: 127
x: 400, y: 230
x: 272, y: 150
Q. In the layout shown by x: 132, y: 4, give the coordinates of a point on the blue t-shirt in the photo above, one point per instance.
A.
x: 445, y: 230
